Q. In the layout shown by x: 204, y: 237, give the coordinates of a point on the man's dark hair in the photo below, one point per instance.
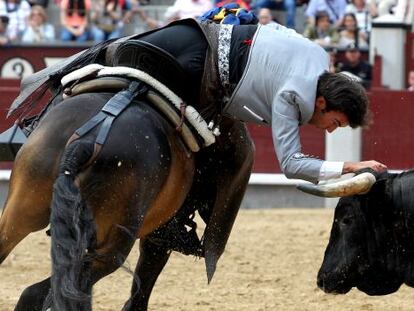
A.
x: 319, y: 15
x: 346, y: 95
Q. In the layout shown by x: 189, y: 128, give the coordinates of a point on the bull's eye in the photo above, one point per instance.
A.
x: 347, y: 220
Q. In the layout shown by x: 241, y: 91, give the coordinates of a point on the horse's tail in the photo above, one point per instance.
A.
x: 73, y: 234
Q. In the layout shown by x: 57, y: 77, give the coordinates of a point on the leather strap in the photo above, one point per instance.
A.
x: 109, y: 112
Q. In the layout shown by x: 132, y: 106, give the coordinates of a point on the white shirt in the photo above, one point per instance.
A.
x: 188, y: 9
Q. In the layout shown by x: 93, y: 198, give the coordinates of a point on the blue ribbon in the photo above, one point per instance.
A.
x: 230, y: 14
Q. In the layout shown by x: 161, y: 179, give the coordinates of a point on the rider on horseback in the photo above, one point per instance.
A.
x: 262, y: 74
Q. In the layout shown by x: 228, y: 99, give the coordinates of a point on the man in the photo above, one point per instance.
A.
x: 335, y: 8
x: 265, y: 17
x: 355, y: 65
x: 267, y: 75
x: 4, y: 36
x: 286, y: 84
x: 411, y: 81
x: 322, y: 32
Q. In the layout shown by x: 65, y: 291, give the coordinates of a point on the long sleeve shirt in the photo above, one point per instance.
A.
x: 278, y: 88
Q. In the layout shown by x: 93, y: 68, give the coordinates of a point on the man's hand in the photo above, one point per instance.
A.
x: 352, y: 167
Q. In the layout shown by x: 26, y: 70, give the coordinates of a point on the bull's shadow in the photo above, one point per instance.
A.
x: 371, y: 244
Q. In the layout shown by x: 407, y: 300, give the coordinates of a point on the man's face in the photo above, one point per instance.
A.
x: 327, y: 120
x: 353, y: 56
x: 323, y: 23
x: 265, y: 17
x: 411, y: 78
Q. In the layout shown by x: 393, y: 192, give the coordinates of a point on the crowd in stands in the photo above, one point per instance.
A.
x: 411, y: 81
x: 343, y: 25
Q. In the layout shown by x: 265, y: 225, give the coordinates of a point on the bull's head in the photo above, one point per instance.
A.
x: 360, y: 251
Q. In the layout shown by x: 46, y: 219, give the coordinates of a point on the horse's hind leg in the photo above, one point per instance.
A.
x: 151, y: 261
x: 21, y: 216
x: 27, y: 206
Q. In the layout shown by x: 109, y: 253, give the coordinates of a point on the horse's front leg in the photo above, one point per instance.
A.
x: 151, y: 261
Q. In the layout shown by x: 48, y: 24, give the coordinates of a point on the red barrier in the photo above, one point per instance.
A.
x: 313, y: 142
x: 9, y: 88
x: 390, y: 139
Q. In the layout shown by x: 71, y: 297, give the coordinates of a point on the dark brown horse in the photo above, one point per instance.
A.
x: 143, y: 180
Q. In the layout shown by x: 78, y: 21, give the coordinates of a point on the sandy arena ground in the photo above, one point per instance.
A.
x: 270, y: 263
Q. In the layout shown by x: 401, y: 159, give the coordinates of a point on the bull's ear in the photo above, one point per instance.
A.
x: 380, y: 186
x: 380, y: 195
x: 368, y: 170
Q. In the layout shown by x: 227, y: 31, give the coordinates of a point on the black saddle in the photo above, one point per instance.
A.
x: 155, y: 61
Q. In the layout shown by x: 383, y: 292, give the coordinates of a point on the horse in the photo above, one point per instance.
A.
x: 143, y: 182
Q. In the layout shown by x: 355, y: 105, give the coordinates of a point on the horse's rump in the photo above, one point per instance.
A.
x: 141, y: 145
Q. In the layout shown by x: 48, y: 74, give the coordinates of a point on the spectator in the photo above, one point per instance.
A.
x: 335, y: 9
x: 17, y: 11
x: 241, y: 3
x: 187, y: 9
x: 38, y: 30
x: 288, y: 5
x: 265, y: 17
x: 355, y: 65
x: 150, y: 22
x: 362, y: 13
x: 108, y: 18
x: 322, y: 32
x: 411, y: 81
x: 351, y: 33
x: 4, y: 36
x: 43, y: 3
x: 74, y: 20
x: 179, y: 10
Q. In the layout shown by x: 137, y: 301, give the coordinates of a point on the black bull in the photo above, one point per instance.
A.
x: 371, y: 245
x: 143, y: 178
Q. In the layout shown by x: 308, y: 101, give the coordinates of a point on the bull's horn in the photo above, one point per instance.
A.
x: 358, y: 184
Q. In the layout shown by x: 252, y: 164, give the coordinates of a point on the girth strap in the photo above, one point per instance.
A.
x: 94, y: 121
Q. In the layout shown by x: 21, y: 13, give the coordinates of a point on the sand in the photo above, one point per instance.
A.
x: 270, y: 263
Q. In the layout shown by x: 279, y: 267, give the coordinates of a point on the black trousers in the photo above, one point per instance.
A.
x: 188, y: 45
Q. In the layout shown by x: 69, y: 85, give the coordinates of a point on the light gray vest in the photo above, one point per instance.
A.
x: 278, y: 88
